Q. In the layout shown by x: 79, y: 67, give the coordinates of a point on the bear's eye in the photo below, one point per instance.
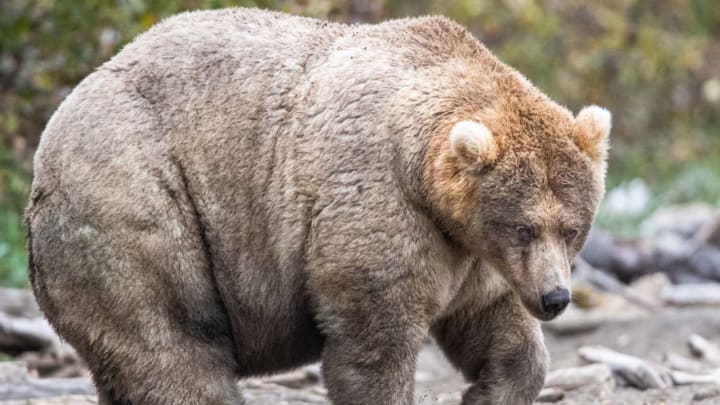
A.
x: 525, y: 233
x: 570, y: 234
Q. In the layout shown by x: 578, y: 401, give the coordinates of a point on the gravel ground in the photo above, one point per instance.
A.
x: 647, y: 337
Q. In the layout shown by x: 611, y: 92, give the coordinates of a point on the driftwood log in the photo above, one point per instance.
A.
x: 16, y: 383
x: 681, y: 363
x: 637, y: 372
x: 19, y: 335
x: 684, y: 378
x: 22, y: 326
x: 707, y: 294
x: 27, y: 336
x: 575, y: 377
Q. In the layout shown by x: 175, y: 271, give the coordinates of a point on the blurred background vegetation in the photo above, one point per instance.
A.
x: 654, y: 63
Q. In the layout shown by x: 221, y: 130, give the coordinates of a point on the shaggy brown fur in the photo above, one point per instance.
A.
x: 241, y: 192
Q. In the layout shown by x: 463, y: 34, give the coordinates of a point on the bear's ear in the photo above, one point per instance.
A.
x: 592, y: 131
x: 471, y: 142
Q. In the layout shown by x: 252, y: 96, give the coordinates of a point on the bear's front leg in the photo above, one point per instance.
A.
x: 499, y: 349
x: 366, y: 364
x: 372, y: 286
x: 373, y: 333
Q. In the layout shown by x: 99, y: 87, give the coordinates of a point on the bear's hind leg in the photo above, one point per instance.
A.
x: 499, y: 349
x: 137, y: 301
x: 191, y: 377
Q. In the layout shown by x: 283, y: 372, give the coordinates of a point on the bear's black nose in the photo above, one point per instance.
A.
x: 555, y: 301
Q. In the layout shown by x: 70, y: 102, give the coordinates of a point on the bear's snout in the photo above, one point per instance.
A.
x: 554, y: 302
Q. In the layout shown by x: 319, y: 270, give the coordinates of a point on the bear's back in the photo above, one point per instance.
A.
x: 195, y: 69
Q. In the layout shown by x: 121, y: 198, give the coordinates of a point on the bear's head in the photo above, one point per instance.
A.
x: 518, y: 185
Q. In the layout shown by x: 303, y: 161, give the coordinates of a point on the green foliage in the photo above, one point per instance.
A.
x: 14, y: 188
x: 46, y: 47
x: 652, y: 62
x: 673, y: 183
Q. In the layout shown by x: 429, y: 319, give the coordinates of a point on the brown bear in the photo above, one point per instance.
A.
x: 241, y: 192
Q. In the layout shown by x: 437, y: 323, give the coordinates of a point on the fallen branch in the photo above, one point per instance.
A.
x: 637, y: 372
x: 692, y: 294
x: 684, y: 378
x: 16, y: 383
x: 576, y: 377
x: 682, y: 363
x: 19, y: 335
